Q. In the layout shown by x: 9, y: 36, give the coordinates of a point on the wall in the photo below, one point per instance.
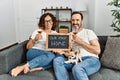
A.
x: 24, y: 14
x: 19, y: 18
x: 91, y: 14
x: 7, y: 24
x: 29, y: 11
x: 100, y: 17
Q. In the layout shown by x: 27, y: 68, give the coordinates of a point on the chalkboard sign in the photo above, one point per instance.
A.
x: 58, y: 41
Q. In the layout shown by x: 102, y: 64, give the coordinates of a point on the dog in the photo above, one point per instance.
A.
x: 74, y: 57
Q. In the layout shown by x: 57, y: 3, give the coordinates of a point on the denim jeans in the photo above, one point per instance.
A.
x: 80, y: 71
x: 40, y: 58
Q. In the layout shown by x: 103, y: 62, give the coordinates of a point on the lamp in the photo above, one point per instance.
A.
x: 79, y: 5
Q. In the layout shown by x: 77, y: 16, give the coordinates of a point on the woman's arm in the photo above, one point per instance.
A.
x: 31, y: 42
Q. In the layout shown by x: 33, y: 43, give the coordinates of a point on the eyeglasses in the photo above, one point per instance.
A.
x: 48, y: 21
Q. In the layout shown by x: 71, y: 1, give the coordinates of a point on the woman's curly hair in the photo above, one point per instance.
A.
x: 41, y: 23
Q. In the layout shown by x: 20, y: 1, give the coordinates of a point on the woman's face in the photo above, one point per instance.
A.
x: 48, y: 22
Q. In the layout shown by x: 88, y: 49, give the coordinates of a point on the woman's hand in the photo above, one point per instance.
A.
x: 38, y: 36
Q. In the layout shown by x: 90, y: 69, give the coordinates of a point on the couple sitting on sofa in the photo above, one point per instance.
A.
x: 40, y: 59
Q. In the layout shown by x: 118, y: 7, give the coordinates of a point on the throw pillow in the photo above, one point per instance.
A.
x: 111, y: 56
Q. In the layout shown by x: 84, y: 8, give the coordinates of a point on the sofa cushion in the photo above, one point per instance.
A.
x: 38, y: 75
x: 13, y: 56
x: 111, y: 56
x: 10, y: 58
x: 106, y: 74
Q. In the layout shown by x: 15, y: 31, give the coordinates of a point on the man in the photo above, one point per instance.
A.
x: 89, y: 47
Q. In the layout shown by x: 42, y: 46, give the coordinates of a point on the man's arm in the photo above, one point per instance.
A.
x: 93, y: 47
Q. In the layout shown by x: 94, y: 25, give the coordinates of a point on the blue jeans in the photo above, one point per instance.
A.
x: 40, y: 58
x: 80, y: 71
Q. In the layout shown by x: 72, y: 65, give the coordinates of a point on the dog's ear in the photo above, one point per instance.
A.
x: 76, y: 53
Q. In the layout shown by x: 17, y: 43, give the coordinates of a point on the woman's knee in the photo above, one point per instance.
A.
x: 51, y: 55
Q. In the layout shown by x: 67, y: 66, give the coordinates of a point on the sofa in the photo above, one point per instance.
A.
x: 16, y: 55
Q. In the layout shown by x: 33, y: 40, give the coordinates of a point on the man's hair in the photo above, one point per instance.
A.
x: 76, y: 12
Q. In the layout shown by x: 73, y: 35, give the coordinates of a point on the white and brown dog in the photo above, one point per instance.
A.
x: 74, y: 57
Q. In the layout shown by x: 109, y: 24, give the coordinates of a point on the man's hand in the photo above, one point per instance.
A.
x: 58, y: 51
x: 76, y: 38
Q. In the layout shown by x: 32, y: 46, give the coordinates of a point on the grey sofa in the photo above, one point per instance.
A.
x: 16, y: 55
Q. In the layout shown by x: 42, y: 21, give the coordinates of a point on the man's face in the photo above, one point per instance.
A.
x: 76, y: 21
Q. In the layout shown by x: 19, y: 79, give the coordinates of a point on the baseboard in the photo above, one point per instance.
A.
x: 9, y: 46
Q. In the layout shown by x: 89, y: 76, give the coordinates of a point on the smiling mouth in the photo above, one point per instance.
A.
x: 76, y: 25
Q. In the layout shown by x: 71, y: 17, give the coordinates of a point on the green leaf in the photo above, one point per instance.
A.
x: 116, y: 14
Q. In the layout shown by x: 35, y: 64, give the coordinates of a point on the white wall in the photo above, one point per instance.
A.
x: 100, y: 17
x: 7, y: 24
x: 24, y: 15
x: 28, y: 12
x: 91, y: 14
x: 19, y: 18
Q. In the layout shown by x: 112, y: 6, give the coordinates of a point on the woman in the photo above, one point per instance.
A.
x: 38, y: 58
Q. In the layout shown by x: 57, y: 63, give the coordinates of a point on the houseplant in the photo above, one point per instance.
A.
x: 116, y: 14
x: 63, y: 29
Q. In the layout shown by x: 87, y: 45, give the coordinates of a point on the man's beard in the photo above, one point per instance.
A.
x: 76, y: 27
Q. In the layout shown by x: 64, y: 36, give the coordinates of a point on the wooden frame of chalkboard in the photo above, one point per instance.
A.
x: 58, y: 41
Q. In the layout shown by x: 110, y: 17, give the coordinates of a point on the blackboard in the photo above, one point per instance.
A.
x: 57, y: 41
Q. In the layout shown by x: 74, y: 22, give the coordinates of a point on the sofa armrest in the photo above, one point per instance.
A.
x: 11, y: 57
x: 102, y: 41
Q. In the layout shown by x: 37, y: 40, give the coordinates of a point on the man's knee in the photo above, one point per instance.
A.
x: 77, y: 69
x: 58, y: 60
